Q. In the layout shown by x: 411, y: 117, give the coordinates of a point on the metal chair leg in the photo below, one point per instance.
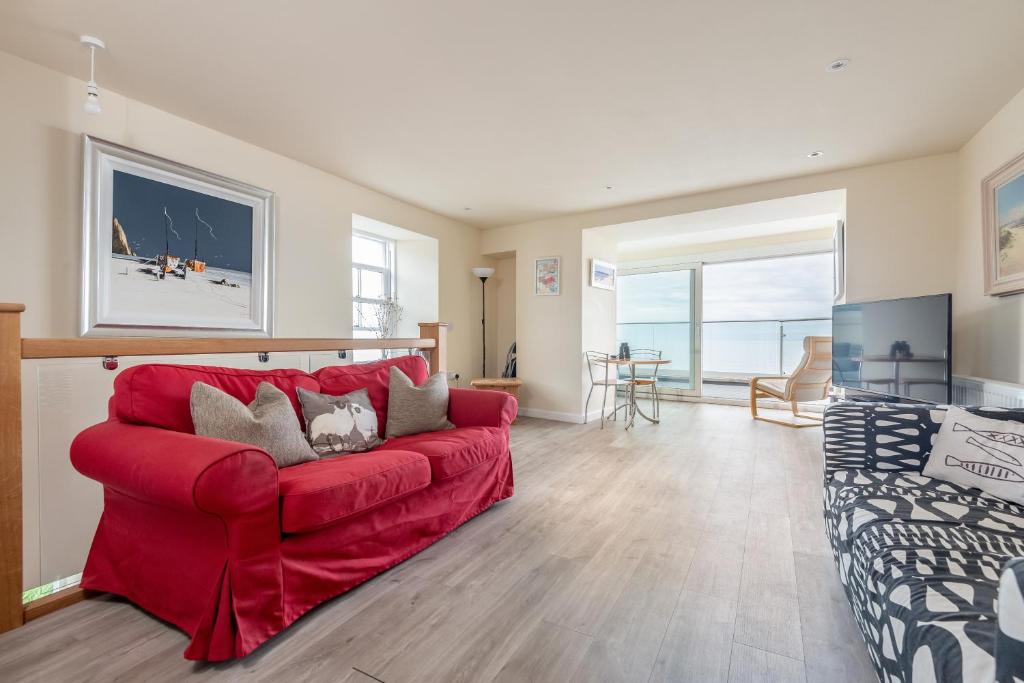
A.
x: 586, y: 406
x: 604, y: 402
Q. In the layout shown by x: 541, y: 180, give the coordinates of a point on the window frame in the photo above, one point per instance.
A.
x: 387, y: 272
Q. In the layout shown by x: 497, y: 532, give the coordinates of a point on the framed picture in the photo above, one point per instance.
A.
x: 602, y: 274
x: 839, y: 263
x: 170, y: 250
x: 547, y: 276
x: 1002, y: 205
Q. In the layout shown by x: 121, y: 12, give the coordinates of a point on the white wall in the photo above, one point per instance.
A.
x: 416, y: 283
x: 987, y: 331
x: 547, y: 327
x: 900, y: 230
x: 501, y: 313
x: 41, y: 185
x: 598, y: 308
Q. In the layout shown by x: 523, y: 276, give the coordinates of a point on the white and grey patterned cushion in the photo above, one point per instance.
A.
x: 339, y: 424
x: 980, y: 452
x: 415, y: 409
x: 919, y: 558
x: 267, y: 423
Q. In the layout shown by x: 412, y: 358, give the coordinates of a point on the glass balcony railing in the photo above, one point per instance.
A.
x: 731, y: 349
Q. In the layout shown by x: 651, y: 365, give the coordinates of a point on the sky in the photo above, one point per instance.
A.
x: 1010, y: 201
x: 763, y: 289
x: 139, y: 208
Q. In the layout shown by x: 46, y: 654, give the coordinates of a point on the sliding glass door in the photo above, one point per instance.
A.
x: 659, y: 309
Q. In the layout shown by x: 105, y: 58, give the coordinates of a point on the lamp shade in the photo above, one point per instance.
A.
x: 481, y: 271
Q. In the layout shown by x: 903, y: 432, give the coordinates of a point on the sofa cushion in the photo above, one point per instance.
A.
x: 374, y: 377
x: 265, y: 423
x: 415, y: 409
x: 158, y: 395
x: 318, y: 493
x: 453, y: 451
x: 920, y: 560
x: 339, y: 424
x: 979, y: 452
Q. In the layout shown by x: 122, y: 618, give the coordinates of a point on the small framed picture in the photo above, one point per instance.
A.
x: 1002, y: 202
x: 547, y: 276
x: 602, y: 274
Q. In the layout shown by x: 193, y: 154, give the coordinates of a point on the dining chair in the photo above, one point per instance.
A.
x: 604, y: 378
x: 808, y: 382
x: 649, y: 378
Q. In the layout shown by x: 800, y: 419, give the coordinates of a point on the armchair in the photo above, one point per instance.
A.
x: 808, y: 382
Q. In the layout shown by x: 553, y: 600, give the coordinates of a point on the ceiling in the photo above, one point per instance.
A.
x: 529, y: 109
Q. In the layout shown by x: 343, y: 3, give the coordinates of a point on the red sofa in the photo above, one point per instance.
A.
x: 210, y: 536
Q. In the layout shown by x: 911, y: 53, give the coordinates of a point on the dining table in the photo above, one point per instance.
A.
x: 631, y: 407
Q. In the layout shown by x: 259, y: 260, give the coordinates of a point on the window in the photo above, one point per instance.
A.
x: 373, y: 281
x: 758, y: 311
x: 372, y: 278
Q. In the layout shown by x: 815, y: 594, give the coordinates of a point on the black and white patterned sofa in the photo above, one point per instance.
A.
x: 928, y: 566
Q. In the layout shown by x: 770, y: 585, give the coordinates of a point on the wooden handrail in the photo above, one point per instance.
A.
x: 88, y: 347
x: 13, y: 349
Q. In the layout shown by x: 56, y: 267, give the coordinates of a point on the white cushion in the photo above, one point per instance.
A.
x: 980, y: 453
x: 774, y: 385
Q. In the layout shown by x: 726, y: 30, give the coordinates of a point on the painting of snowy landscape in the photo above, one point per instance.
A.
x: 174, y: 250
x: 180, y: 251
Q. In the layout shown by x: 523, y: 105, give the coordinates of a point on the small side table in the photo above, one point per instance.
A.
x: 509, y: 385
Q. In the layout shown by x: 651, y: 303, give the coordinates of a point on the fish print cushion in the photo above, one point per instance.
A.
x: 339, y: 424
x: 980, y: 453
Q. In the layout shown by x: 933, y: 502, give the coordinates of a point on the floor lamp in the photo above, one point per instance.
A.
x: 483, y: 273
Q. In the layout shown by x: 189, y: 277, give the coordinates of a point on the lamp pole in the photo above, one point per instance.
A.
x: 483, y: 324
x: 483, y: 273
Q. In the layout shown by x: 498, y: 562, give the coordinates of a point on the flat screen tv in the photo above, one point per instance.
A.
x: 900, y: 348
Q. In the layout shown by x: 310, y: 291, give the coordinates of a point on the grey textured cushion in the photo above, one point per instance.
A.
x: 339, y: 424
x: 267, y: 423
x: 413, y: 409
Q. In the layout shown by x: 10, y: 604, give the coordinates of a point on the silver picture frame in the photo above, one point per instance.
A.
x: 196, y: 312
x: 1003, y: 239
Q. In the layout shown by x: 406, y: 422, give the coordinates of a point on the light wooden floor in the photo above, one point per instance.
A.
x: 689, y: 551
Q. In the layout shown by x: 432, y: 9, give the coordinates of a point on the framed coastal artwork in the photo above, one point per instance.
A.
x: 547, y: 276
x: 1002, y: 202
x: 170, y: 250
x: 602, y: 274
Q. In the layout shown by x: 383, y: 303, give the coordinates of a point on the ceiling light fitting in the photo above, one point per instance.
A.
x: 838, y: 65
x: 92, y: 91
x: 815, y: 154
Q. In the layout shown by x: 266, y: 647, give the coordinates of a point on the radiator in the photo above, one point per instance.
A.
x: 975, y: 391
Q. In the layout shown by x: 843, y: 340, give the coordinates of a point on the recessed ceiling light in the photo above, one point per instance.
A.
x: 467, y: 208
x: 609, y: 187
x: 815, y: 154
x: 838, y: 65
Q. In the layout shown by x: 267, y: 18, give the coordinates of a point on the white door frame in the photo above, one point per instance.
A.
x: 696, y: 319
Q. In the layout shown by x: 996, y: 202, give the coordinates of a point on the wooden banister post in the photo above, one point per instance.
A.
x: 438, y: 355
x: 11, y: 613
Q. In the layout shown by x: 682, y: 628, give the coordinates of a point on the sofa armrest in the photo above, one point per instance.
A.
x: 177, y: 470
x: 1010, y: 615
x: 481, y: 408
